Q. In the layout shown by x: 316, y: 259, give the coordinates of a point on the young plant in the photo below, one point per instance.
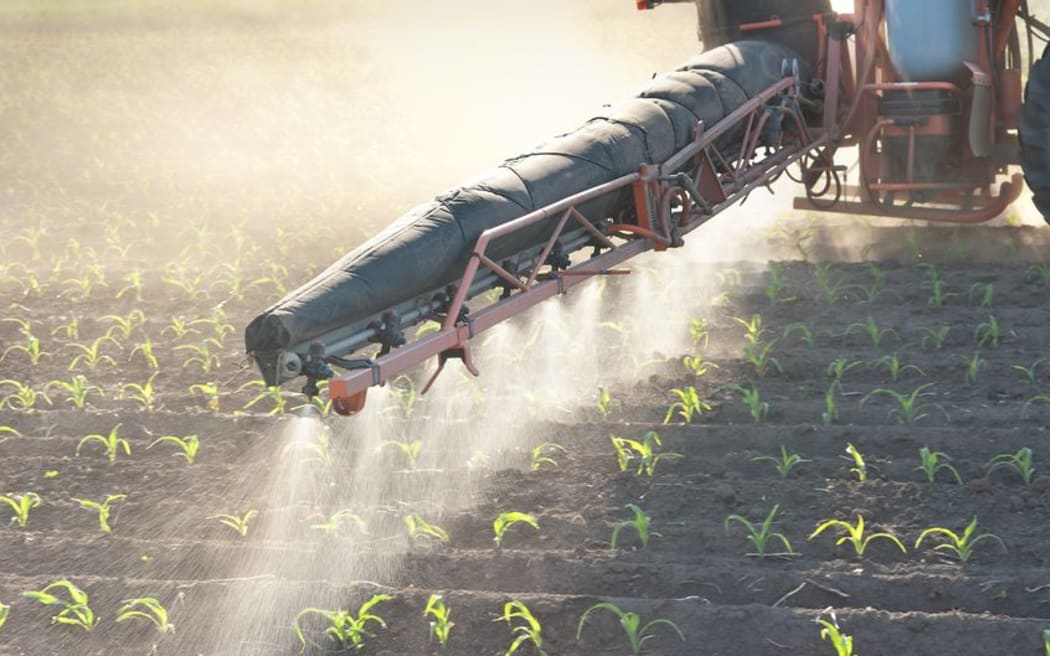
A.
x: 697, y: 365
x: 24, y: 398
x: 699, y: 331
x: 873, y: 331
x: 974, y: 365
x: 605, y: 402
x: 959, y: 546
x: 102, y: 508
x: 1020, y: 462
x: 74, y: 610
x: 77, y: 388
x: 759, y: 534
x: 688, y: 405
x: 803, y: 329
x: 124, y: 324
x: 506, y: 520
x: 644, y: 452
x: 202, y: 355
x: 878, y: 283
x: 631, y: 623
x: 785, y: 463
x: 988, y: 333
x: 349, y: 630
x: 842, y: 643
x: 187, y: 446
x: 409, y: 449
x: 112, y: 443
x: 859, y: 468
x: 757, y: 355
x: 854, y: 535
x: 544, y: 455
x: 908, y: 410
x: 332, y: 524
x: 210, y: 391
x: 237, y: 523
x: 937, y: 286
x: 753, y: 328
x: 316, y: 447
x: 776, y: 290
x: 935, y: 336
x: 440, y: 622
x: 146, y: 608
x: 529, y: 631
x: 893, y: 366
x: 830, y: 291
x: 1031, y: 373
x: 21, y: 504
x: 985, y: 291
x: 145, y: 348
x: 753, y: 400
x: 640, y: 524
x: 92, y: 355
x: 419, y: 528
x: 143, y: 394
x: 839, y: 367
x: 935, y: 461
x: 273, y: 394
x: 831, y: 404
x: 5, y: 611
x: 31, y: 348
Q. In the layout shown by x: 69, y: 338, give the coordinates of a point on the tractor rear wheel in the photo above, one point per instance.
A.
x: 1035, y: 133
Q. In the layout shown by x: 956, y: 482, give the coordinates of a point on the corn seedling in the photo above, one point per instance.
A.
x: 893, y: 366
x: 75, y: 610
x: 631, y: 623
x: 124, y: 324
x: 830, y: 291
x: 1040, y: 398
x: 187, y: 446
x: 873, y: 331
x: 752, y: 327
x: 237, y: 523
x: 111, y: 443
x: 143, y: 394
x: 332, y: 524
x: 102, y: 508
x: 839, y: 367
x: 759, y: 534
x: 974, y: 365
x: 937, y: 286
x: 146, y: 608
x: 179, y: 327
x: 6, y: 433
x: 315, y: 449
x: 506, y: 521
x: 644, y: 452
x: 192, y: 286
x: 31, y: 348
x: 409, y: 449
x: 640, y: 524
x: 697, y: 365
x: 202, y: 355
x: 831, y: 404
x: 605, y: 402
x: 440, y: 619
x: 785, y: 463
x: 23, y: 399
x: 71, y: 329
x: 134, y: 286
x: 419, y: 528
x: 5, y: 611
x: 1020, y: 462
x: 210, y: 391
x: 908, y: 410
x: 91, y: 355
x: 854, y: 535
x: 1039, y: 272
x: 688, y: 405
x: 753, y: 400
x: 757, y: 355
x: 776, y: 289
x: 805, y: 331
x: 959, y: 546
x: 988, y: 333
x: 842, y: 643
x: 935, y: 336
x: 859, y: 468
x: 145, y: 348
x: 984, y: 291
x: 349, y: 630
x: 935, y: 461
x: 77, y: 388
x: 21, y: 504
x: 529, y: 631
x: 544, y: 455
x: 1031, y: 373
x: 273, y: 394
x: 878, y: 283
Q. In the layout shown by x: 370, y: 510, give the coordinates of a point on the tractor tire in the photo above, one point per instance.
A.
x: 719, y: 19
x: 1035, y: 133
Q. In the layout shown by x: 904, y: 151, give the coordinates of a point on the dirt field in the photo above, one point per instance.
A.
x: 122, y: 241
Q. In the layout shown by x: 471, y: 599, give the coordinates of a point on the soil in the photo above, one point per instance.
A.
x: 229, y: 594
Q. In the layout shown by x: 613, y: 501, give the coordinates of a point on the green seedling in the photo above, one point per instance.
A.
x: 935, y: 461
x: 1040, y: 398
x: 75, y: 610
x: 806, y: 333
x: 830, y: 291
x: 440, y: 623
x: 984, y: 291
x: 332, y: 524
x: 405, y: 395
x: 273, y: 394
x: 146, y: 608
x: 854, y: 535
x: 529, y: 631
x: 697, y: 365
x: 187, y: 446
x: 757, y: 355
x: 908, y: 410
x: 753, y: 328
x: 688, y: 405
x: 24, y: 398
x: 859, y: 468
x: 210, y: 391
x: 5, y: 612
x: 112, y: 443
x: 145, y: 349
x: 316, y: 448
x: 409, y: 449
x: 974, y: 365
x: 753, y: 400
x: 544, y: 455
x: 776, y: 290
x: 91, y: 355
x: 124, y: 324
x: 143, y: 394
x: 71, y: 329
x: 842, y: 643
x: 839, y: 367
x: 831, y: 404
x: 31, y: 348
x: 1020, y: 462
x: 202, y: 355
x: 349, y: 630
x: 134, y: 286
x: 419, y: 528
x: 179, y: 327
x: 237, y: 523
x: 935, y: 336
x: 759, y: 534
x: 1039, y: 272
x: 937, y: 286
x: 192, y: 286
x: 640, y: 523
x: 644, y: 452
x: 878, y: 283
x: 699, y: 331
x: 959, y: 546
x: 21, y: 504
x: 605, y: 402
x: 988, y: 333
x: 77, y: 388
x: 785, y: 463
x: 6, y: 433
x: 1031, y: 373
x: 893, y: 366
x: 506, y: 521
x: 631, y: 623
x: 873, y: 331
x: 102, y: 508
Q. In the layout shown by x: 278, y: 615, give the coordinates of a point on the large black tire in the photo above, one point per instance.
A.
x: 718, y: 21
x: 1035, y: 133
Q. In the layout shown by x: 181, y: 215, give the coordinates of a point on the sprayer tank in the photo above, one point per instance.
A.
x: 929, y: 40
